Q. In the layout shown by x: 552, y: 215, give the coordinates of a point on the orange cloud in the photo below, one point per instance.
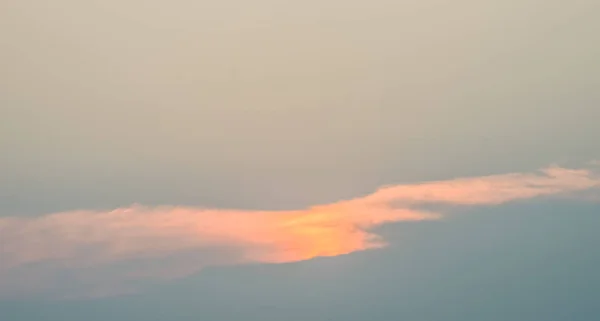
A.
x: 107, y: 251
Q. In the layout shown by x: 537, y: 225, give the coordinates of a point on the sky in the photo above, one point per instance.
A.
x: 299, y: 160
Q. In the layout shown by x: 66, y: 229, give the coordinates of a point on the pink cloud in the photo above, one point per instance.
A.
x: 107, y: 252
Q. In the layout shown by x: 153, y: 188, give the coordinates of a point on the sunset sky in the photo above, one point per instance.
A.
x: 299, y: 160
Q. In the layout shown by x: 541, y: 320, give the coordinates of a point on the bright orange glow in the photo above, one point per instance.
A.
x: 171, y: 242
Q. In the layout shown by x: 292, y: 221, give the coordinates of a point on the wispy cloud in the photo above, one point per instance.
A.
x: 107, y: 252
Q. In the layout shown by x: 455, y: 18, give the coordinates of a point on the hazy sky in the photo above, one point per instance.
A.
x: 308, y: 160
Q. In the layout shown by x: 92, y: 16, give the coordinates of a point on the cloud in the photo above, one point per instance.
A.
x: 97, y: 253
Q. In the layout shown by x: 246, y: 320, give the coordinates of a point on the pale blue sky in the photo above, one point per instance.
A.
x: 280, y: 106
